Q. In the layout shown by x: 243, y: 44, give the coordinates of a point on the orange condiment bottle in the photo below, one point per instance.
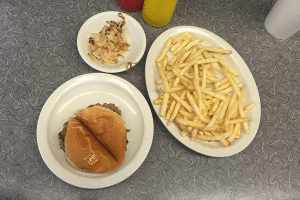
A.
x: 158, y: 13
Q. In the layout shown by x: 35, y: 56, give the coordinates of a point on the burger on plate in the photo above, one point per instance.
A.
x: 95, y: 139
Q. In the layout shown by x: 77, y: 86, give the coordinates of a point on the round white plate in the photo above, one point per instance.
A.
x: 251, y: 93
x: 132, y: 31
x: 78, y: 93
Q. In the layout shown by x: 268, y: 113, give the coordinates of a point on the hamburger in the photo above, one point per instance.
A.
x: 95, y: 139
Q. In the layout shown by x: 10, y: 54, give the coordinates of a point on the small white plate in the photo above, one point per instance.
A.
x: 214, y: 149
x: 78, y: 93
x: 132, y: 31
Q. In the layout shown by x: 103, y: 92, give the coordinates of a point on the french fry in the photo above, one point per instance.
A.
x: 181, y: 47
x: 249, y: 107
x: 193, y: 134
x: 232, y: 99
x: 191, y: 123
x: 174, y: 89
x: 232, y: 82
x: 169, y: 76
x: 218, y: 50
x: 157, y: 102
x: 199, y: 94
x: 183, y: 57
x: 180, y: 66
x: 192, y: 43
x: 210, y: 78
x: 182, y: 77
x: 182, y: 72
x: 229, y: 114
x: 212, y: 100
x: 214, y: 94
x: 205, y: 61
x: 175, y: 46
x: 183, y: 36
x: 214, y: 137
x: 224, y: 108
x: 230, y: 88
x: 175, y: 58
x: 164, y: 105
x: 185, y: 113
x: 184, y: 133
x: 223, y: 81
x: 195, y: 108
x: 165, y: 50
x: 183, y: 127
x: 223, y: 141
x: 204, y: 106
x: 214, y: 65
x: 198, y: 46
x: 242, y: 113
x: 204, y: 78
x: 214, y: 107
x: 196, y: 54
x: 234, y: 132
x: 215, y: 117
x: 208, y: 97
x: 194, y: 131
x: 182, y: 102
x: 214, y: 49
x: 160, y: 101
x: 225, y: 84
x: 170, y: 110
x: 164, y: 63
x: 186, y: 74
x: 241, y: 120
x: 193, y: 50
x: 166, y: 95
x: 177, y: 106
x: 225, y: 64
x: 196, y: 73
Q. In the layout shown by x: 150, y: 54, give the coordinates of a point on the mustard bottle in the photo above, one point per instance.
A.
x: 158, y: 13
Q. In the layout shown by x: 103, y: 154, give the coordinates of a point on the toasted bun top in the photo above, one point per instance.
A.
x: 108, y: 127
x: 84, y: 151
x: 96, y: 140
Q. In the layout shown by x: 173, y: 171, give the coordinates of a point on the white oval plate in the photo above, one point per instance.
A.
x: 79, y: 93
x: 132, y: 30
x: 214, y: 149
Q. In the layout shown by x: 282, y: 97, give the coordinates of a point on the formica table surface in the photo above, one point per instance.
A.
x: 38, y: 53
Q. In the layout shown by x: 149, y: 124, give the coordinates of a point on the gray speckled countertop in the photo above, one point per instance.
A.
x: 38, y: 53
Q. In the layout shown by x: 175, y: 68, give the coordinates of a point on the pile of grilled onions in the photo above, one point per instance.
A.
x: 108, y: 45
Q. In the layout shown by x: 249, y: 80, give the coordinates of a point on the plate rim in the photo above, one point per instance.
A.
x: 138, y: 158
x: 235, y: 55
x: 137, y: 24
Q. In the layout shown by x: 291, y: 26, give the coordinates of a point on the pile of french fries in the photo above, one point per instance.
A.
x: 201, y: 92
